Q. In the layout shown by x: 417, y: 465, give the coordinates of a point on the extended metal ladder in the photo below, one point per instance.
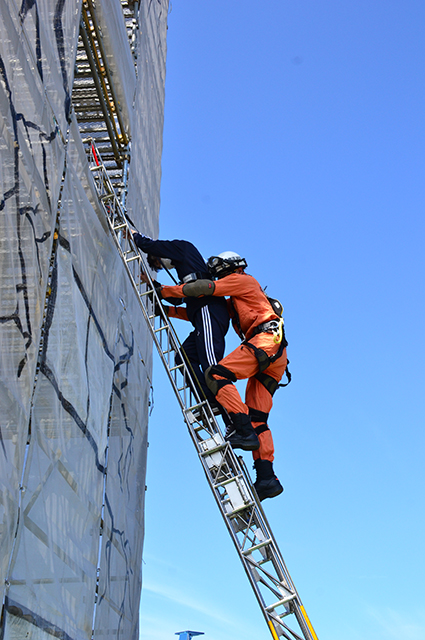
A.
x: 225, y: 471
x: 94, y: 94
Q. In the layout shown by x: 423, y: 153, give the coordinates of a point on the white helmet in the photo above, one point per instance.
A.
x: 225, y: 263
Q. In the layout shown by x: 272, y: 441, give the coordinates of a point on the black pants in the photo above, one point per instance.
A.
x: 205, y: 345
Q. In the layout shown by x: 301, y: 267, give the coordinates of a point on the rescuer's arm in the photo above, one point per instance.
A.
x: 176, y: 312
x: 172, y: 291
x: 232, y: 285
x: 195, y: 289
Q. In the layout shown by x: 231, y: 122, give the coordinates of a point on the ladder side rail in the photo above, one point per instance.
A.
x: 268, y: 616
x: 246, y: 561
x: 262, y: 524
x: 281, y: 569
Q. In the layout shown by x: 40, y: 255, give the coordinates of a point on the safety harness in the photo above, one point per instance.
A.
x: 264, y: 360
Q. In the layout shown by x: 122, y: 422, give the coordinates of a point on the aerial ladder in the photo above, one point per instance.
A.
x: 226, y: 473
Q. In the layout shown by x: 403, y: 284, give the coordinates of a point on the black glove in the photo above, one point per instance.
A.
x: 158, y: 287
x: 157, y: 310
x: 153, y: 299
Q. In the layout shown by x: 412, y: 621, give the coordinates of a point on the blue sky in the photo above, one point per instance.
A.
x: 294, y: 135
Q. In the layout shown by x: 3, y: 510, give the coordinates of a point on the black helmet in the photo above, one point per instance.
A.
x: 225, y: 263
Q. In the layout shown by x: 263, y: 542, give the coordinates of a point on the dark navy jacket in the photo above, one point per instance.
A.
x: 186, y: 259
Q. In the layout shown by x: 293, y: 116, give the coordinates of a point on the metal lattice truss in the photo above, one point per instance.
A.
x: 226, y: 473
x: 94, y: 96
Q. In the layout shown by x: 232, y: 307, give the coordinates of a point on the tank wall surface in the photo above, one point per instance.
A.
x: 75, y: 352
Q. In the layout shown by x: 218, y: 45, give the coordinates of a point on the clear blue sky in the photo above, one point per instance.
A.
x: 295, y: 135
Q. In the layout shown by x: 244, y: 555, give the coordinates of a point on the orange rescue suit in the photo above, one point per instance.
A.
x: 249, y: 308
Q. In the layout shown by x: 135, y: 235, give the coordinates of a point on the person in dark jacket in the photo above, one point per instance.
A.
x: 204, y: 346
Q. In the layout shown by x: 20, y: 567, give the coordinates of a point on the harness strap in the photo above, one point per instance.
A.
x: 264, y: 360
x: 237, y: 320
x: 288, y: 376
x: 257, y: 416
x: 268, y: 382
x: 261, y: 429
x: 270, y: 325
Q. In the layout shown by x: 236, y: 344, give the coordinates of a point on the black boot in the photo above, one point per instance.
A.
x: 240, y: 434
x: 266, y: 485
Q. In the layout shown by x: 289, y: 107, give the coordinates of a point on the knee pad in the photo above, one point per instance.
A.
x: 215, y: 385
x: 199, y: 288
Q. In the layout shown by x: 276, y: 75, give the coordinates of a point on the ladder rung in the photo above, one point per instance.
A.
x: 211, y: 451
x: 178, y: 366
x: 199, y: 427
x: 232, y: 479
x: 194, y: 407
x: 281, y: 602
x: 164, y: 326
x: 214, y: 410
x: 199, y: 409
x: 265, y: 543
x: 237, y: 511
x: 136, y: 257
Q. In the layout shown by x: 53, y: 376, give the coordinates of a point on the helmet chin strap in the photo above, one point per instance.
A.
x: 167, y: 269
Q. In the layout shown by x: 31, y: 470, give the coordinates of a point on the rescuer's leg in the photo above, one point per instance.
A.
x: 239, y: 364
x: 259, y: 399
x: 266, y: 484
x: 260, y: 402
x: 240, y: 434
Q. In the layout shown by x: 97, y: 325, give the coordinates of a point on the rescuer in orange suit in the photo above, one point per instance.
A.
x: 261, y: 358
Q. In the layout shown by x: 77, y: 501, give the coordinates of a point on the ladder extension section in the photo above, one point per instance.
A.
x: 226, y: 473
x: 95, y: 100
